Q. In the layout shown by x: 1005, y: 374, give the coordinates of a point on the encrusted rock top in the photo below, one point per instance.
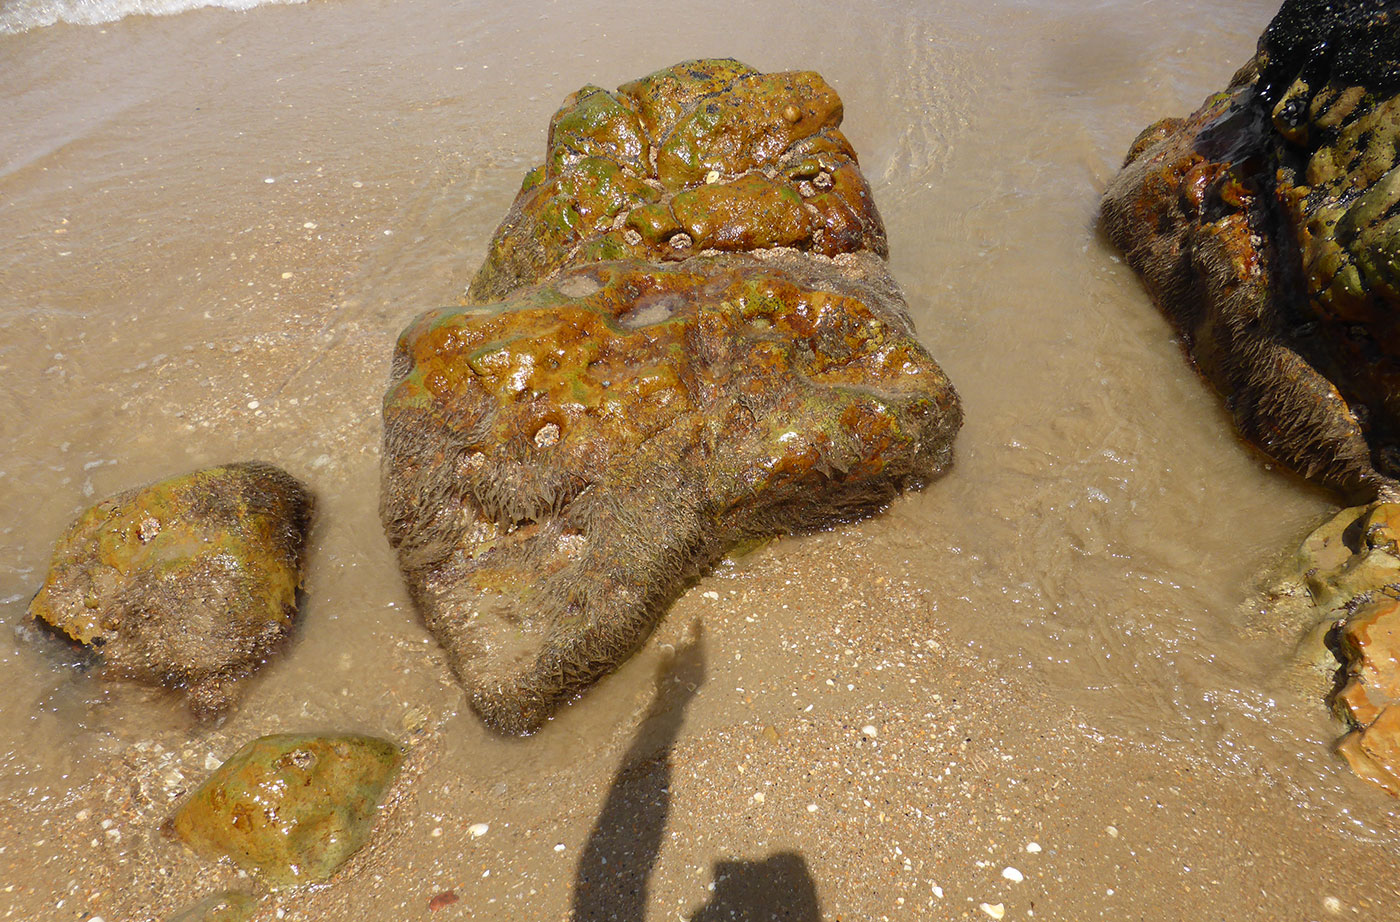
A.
x: 558, y: 464
x: 187, y: 583
x: 705, y: 155
x: 1267, y: 226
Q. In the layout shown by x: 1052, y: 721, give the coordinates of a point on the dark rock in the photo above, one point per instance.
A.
x: 290, y: 808
x: 189, y: 583
x: 1267, y: 227
x: 557, y: 464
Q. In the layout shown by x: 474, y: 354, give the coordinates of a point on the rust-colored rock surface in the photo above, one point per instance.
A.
x: 189, y: 583
x: 706, y: 155
x: 1348, y: 575
x: 1266, y: 227
x: 620, y: 406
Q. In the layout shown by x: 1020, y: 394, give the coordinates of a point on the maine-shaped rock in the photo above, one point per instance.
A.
x: 189, y: 583
x: 291, y: 808
x: 641, y: 384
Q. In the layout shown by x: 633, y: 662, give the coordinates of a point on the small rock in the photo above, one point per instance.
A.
x: 1012, y: 874
x: 442, y: 900
x: 870, y: 731
x: 292, y: 808
x: 1112, y: 831
x: 477, y: 830
x: 189, y: 583
x: 228, y: 906
x: 995, y: 910
x: 1033, y: 847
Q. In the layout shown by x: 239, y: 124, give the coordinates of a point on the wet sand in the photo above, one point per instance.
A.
x: 219, y: 222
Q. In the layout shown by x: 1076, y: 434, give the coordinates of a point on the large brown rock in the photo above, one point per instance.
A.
x: 560, y: 460
x: 1266, y: 225
x: 189, y: 583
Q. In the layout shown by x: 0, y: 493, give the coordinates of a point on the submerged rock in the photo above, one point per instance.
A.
x: 288, y: 807
x: 229, y: 906
x: 1343, y: 587
x: 1266, y: 227
x: 189, y: 583
x: 557, y: 463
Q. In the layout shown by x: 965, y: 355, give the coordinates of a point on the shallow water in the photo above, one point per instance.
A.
x: 217, y: 223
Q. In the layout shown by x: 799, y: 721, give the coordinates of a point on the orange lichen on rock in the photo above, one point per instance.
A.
x: 705, y: 155
x: 556, y: 465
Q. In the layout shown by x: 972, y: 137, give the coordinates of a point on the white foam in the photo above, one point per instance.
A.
x: 23, y: 15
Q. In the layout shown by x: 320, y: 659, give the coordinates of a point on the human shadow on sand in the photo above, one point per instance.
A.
x: 622, y: 850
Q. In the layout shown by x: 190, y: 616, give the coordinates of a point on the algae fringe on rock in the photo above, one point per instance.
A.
x: 189, y: 583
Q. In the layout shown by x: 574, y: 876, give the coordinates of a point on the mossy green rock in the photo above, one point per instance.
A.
x: 189, y: 583
x: 683, y: 338
x: 706, y: 155
x: 1267, y: 227
x: 289, y: 807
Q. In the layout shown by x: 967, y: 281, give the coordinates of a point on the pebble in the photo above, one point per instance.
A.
x: 559, y: 847
x: 310, y: 225
x: 442, y: 900
x: 710, y: 594
x: 1012, y: 874
x: 1332, y: 904
x: 1113, y: 831
x: 870, y: 731
x: 712, y: 177
x: 811, y: 808
x: 211, y: 762
x: 269, y: 180
x: 477, y: 830
x: 758, y: 798
x: 1033, y: 847
x: 938, y: 891
x: 995, y: 910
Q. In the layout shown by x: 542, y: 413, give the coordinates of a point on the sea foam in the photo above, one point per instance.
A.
x: 23, y: 15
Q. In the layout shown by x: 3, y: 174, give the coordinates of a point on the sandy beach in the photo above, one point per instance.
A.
x: 1033, y: 688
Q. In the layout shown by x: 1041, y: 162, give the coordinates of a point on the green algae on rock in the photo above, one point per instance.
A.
x: 188, y: 583
x: 291, y: 808
x: 1266, y: 227
x: 703, y: 155
x: 704, y: 349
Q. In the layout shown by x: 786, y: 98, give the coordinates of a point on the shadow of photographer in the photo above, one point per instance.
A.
x: 612, y: 882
